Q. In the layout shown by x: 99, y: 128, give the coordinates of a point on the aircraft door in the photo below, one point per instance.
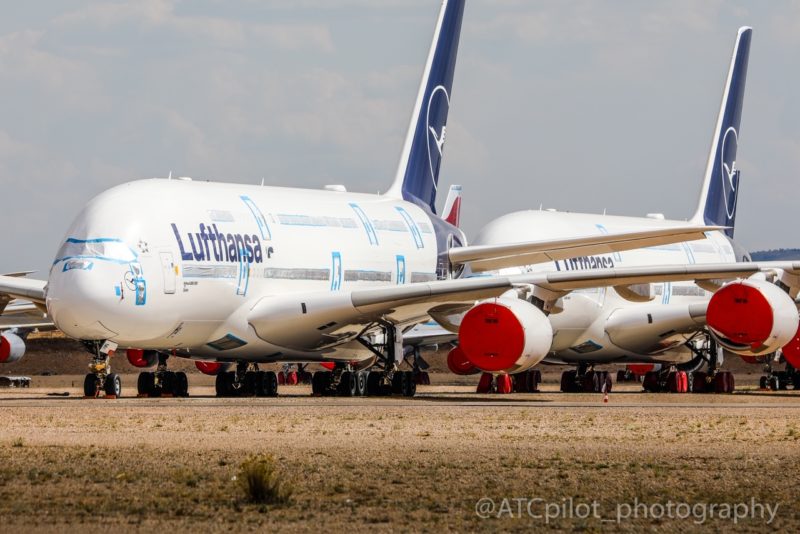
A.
x: 169, y: 272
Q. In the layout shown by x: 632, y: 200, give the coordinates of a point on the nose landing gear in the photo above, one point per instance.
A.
x: 100, y: 382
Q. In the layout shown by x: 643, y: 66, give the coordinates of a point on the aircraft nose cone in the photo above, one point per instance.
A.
x: 78, y: 304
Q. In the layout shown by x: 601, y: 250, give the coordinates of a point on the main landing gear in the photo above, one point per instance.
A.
x: 163, y: 382
x: 247, y: 381
x: 524, y: 382
x: 780, y: 380
x: 687, y: 378
x: 101, y: 382
x: 382, y: 378
x: 585, y: 379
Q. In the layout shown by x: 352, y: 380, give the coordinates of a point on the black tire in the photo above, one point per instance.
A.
x: 271, y: 384
x: 374, y: 383
x: 568, y: 381
x: 144, y: 384
x: 408, y: 386
x: 90, y: 384
x: 167, y: 381
x: 260, y: 384
x: 249, y: 386
x: 361, y: 383
x: 113, y: 385
x: 318, y: 382
x: 221, y: 384
x: 762, y: 383
x: 397, y: 383
x: 181, y: 384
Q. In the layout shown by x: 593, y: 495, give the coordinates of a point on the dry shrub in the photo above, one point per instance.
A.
x: 262, y: 482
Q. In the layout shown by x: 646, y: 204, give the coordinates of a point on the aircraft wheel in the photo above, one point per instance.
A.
x: 145, y: 383
x: 249, y: 386
x: 270, y: 384
x: 90, y: 385
x: 568, y: 381
x: 763, y: 383
x: 651, y: 383
x: 318, y: 383
x: 181, y: 384
x: 408, y: 386
x: 113, y: 385
x: 221, y: 385
x: 361, y: 383
x: 374, y: 383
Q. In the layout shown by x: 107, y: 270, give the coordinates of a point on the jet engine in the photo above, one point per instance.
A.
x: 752, y: 317
x: 505, y: 334
x: 791, y: 351
x: 12, y: 348
x: 459, y: 364
x: 142, y: 358
x: 210, y: 368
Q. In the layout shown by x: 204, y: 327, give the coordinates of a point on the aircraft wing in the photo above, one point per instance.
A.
x: 492, y: 257
x: 340, y: 316
x: 22, y: 288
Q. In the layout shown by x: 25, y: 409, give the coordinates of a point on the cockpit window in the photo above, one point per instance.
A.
x: 114, y: 250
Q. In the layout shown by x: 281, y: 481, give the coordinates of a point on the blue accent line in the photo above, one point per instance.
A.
x: 336, y: 271
x: 401, y: 269
x: 263, y: 227
x: 371, y: 235
x: 412, y: 226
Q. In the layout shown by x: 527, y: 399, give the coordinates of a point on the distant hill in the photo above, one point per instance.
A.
x: 777, y: 254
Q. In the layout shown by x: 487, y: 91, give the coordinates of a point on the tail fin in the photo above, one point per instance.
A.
x: 452, y: 206
x: 418, y: 172
x: 721, y: 183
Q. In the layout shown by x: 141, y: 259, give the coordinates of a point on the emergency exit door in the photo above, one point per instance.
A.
x: 168, y: 270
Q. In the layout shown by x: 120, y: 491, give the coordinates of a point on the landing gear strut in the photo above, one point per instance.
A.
x: 686, y: 378
x: 247, y: 381
x: 163, y: 382
x: 101, y: 382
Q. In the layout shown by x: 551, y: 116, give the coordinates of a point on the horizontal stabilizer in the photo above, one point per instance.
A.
x: 491, y: 257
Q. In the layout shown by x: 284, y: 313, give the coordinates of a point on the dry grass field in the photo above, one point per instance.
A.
x: 392, y: 464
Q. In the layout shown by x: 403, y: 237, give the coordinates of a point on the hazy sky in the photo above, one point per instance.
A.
x: 574, y: 105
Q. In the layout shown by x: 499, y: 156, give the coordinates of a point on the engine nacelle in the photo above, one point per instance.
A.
x: 505, y: 334
x: 459, y: 364
x: 12, y: 348
x: 752, y: 317
x: 142, y: 358
x: 791, y: 351
x: 211, y: 368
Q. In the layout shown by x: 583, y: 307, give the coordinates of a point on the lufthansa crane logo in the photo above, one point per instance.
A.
x: 436, y: 139
x: 729, y: 173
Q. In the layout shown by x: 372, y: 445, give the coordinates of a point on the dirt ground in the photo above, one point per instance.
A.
x: 382, y: 464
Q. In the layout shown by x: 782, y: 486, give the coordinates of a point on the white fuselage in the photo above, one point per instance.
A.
x: 581, y: 320
x: 176, y: 264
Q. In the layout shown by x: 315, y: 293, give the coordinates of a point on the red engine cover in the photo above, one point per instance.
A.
x: 640, y: 368
x: 741, y: 314
x: 208, y: 368
x: 491, y: 337
x: 141, y: 359
x: 458, y: 363
x: 791, y: 351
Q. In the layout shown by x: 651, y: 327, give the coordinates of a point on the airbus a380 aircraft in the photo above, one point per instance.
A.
x: 231, y: 273
x: 668, y: 322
